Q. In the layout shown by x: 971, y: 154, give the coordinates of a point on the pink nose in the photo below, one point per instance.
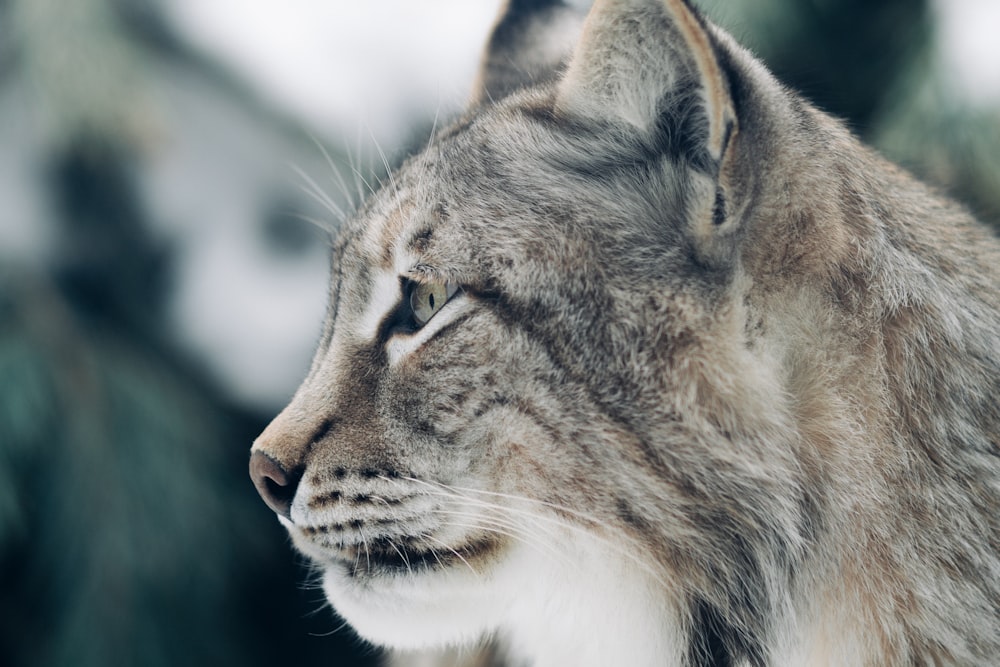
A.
x: 274, y: 484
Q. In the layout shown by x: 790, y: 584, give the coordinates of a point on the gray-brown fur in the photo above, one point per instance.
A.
x: 726, y: 337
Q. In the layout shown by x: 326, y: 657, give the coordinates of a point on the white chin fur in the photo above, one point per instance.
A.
x: 426, y: 610
x: 581, y: 606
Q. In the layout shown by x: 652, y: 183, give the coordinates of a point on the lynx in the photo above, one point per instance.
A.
x: 645, y: 361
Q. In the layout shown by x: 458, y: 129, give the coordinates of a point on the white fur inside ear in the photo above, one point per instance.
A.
x: 402, y: 345
x: 613, y: 74
x: 633, y: 55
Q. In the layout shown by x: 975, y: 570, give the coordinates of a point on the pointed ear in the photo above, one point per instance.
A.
x: 530, y: 43
x: 642, y: 63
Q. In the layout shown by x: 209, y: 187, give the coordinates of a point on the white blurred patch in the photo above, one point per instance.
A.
x: 250, y: 310
x: 26, y: 229
x: 347, y: 66
x: 970, y: 48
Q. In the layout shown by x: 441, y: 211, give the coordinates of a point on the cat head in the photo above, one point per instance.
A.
x: 537, y: 342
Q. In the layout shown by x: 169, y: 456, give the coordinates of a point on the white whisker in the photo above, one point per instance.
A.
x: 356, y: 168
x: 336, y: 172
x: 388, y: 173
x: 516, y: 532
x: 406, y: 561
x: 460, y: 556
x: 322, y: 225
x: 364, y: 542
x: 317, y: 193
x: 433, y: 552
x: 559, y: 508
x: 357, y: 561
x: 343, y: 624
x: 437, y: 112
x: 361, y: 179
x: 446, y: 491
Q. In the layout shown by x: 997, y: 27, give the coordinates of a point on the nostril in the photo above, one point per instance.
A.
x: 274, y: 484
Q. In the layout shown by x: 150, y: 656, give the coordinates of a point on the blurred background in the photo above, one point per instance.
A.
x: 162, y: 283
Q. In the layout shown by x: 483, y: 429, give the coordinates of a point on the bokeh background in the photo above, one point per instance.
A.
x: 162, y: 163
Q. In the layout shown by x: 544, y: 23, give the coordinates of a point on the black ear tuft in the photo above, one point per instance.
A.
x: 530, y: 43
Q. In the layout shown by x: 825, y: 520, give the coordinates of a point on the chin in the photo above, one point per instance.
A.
x: 429, y: 604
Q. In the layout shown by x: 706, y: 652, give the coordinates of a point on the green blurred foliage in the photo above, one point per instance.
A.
x: 844, y: 55
x: 117, y: 520
x: 953, y: 146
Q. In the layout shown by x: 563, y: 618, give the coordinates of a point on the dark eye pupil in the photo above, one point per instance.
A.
x: 430, y: 300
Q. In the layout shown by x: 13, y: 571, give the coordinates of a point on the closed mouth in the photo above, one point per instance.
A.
x: 408, y: 556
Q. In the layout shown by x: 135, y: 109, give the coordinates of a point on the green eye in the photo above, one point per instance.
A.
x: 426, y: 299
